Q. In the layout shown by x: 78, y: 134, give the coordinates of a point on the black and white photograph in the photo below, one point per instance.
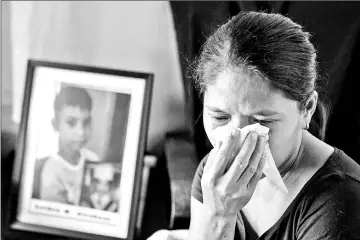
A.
x: 75, y: 128
x: 180, y: 120
x: 82, y: 140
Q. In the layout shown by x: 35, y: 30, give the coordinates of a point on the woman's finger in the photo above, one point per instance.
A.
x: 234, y: 153
x: 252, y: 167
x: 211, y: 158
x: 242, y: 158
x: 225, y: 153
x: 257, y: 176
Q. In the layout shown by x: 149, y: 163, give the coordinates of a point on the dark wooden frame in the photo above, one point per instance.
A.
x: 12, y: 223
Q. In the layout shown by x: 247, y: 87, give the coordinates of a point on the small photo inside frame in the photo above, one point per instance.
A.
x: 81, y: 144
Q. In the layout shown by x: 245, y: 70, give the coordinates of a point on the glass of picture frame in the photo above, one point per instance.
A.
x: 79, y: 158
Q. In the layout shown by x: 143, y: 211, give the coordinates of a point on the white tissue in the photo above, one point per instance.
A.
x: 270, y: 170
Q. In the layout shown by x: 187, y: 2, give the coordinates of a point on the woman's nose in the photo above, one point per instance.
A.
x: 241, y: 122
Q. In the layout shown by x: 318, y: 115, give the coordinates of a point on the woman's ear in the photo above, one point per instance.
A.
x: 310, y: 107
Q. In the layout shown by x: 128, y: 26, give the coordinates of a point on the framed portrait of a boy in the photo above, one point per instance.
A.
x: 81, y: 144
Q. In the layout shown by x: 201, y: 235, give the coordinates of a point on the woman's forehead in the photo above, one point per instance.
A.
x: 241, y: 81
x: 246, y: 92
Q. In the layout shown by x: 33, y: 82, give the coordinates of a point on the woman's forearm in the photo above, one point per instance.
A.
x: 211, y: 227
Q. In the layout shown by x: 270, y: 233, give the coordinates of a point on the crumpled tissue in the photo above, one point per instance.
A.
x: 270, y: 170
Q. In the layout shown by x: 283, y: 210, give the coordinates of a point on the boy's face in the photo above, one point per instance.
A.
x: 74, y: 127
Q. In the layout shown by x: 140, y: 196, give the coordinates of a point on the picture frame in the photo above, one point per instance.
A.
x: 81, y: 145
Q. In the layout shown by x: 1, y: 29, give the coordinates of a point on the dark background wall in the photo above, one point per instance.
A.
x: 335, y: 28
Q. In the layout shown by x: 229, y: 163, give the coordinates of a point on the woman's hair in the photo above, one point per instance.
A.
x: 272, y: 46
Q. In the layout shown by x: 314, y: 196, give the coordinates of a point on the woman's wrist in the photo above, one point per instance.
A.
x: 220, y: 226
x: 211, y: 214
x: 221, y: 216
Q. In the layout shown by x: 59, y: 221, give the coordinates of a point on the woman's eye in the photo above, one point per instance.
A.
x: 220, y: 118
x: 264, y: 122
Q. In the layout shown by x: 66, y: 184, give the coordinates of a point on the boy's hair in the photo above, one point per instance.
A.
x: 72, y: 96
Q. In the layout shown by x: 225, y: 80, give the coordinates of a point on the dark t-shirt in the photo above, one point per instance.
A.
x: 327, y: 207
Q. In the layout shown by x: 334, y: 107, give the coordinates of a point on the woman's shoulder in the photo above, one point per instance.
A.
x: 337, y: 181
x: 345, y: 165
x: 331, y: 199
x: 340, y: 166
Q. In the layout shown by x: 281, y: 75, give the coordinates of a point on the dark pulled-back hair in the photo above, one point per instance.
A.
x: 271, y: 46
x: 72, y: 96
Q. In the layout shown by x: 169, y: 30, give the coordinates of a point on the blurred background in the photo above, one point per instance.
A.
x: 134, y: 36
x: 163, y: 38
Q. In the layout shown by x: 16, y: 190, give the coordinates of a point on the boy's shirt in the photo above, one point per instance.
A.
x: 62, y: 181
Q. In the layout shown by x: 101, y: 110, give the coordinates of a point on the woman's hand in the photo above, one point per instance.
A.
x: 226, y: 190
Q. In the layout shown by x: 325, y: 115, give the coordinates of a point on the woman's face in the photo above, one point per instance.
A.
x: 241, y: 99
